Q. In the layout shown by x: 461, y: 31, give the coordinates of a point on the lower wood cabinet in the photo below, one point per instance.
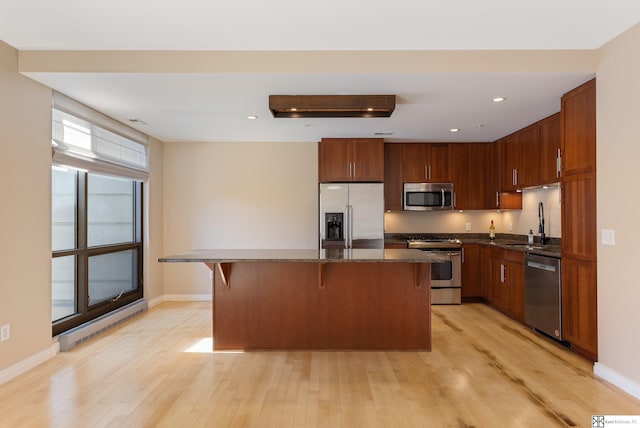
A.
x: 579, y: 306
x: 507, y: 282
x: 471, y: 282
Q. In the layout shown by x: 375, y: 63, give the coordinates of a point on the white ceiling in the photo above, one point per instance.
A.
x: 214, y: 106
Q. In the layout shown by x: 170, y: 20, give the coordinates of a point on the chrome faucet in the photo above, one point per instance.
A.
x: 541, y: 223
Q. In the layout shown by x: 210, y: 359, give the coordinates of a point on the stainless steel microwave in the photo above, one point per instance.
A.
x: 428, y: 196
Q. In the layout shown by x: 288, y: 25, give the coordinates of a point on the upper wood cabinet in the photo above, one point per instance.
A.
x: 549, y: 167
x: 426, y: 162
x: 393, y: 185
x: 529, y: 157
x: 474, y: 176
x: 578, y: 129
x: 351, y: 159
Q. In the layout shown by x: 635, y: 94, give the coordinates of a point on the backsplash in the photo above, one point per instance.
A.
x: 509, y: 221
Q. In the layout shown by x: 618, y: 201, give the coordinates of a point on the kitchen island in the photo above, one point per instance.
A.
x: 368, y: 299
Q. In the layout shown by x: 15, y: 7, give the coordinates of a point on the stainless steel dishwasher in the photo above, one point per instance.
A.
x: 543, y: 294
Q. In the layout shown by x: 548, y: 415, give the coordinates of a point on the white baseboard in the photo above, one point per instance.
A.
x: 617, y: 379
x: 187, y: 297
x: 27, y: 364
x: 155, y: 301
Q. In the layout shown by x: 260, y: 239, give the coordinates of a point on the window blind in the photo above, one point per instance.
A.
x: 86, y: 139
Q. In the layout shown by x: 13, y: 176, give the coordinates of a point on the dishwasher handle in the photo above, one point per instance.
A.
x: 542, y: 266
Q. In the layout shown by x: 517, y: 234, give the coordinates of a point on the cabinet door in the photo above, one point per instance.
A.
x: 439, y: 163
x: 393, y: 186
x: 515, y: 285
x: 578, y: 128
x: 527, y: 152
x: 549, y: 150
x: 509, y: 157
x: 481, y: 187
x: 579, y: 306
x: 471, y: 270
x: 485, y: 272
x: 463, y: 190
x: 414, y: 163
x: 334, y: 160
x: 427, y: 162
x: 368, y: 159
x: 579, y: 228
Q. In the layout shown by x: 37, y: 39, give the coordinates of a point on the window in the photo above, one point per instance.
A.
x: 96, y: 215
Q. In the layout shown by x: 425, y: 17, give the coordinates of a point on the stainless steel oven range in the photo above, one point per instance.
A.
x: 446, y: 278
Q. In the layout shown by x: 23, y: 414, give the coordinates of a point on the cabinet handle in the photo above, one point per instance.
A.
x: 462, y: 254
x: 429, y: 172
x: 515, y: 183
x: 350, y: 169
x: 513, y: 177
x: 498, y: 199
x: 426, y: 172
x: 558, y: 163
x: 354, y: 169
x: 503, y: 273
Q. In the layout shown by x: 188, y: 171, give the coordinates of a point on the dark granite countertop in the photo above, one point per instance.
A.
x: 504, y: 240
x: 305, y: 255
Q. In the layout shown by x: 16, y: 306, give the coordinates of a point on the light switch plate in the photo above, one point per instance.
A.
x: 608, y: 237
x: 5, y: 332
x: 468, y: 227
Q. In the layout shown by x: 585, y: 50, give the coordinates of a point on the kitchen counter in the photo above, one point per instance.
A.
x: 305, y: 255
x: 507, y: 241
x: 366, y: 299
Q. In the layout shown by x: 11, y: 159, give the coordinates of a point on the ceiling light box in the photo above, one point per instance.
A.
x: 332, y: 105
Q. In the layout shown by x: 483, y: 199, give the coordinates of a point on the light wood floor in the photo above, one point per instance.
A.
x: 484, y: 371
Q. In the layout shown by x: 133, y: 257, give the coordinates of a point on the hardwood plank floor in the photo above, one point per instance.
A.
x: 484, y: 371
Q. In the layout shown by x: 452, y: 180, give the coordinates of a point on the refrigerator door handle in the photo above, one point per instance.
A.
x: 350, y: 216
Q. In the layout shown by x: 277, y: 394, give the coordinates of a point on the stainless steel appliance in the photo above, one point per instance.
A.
x: 446, y: 277
x: 543, y: 294
x: 351, y: 215
x: 428, y: 196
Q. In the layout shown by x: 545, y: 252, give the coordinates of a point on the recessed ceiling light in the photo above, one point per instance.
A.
x: 454, y: 130
x: 382, y: 133
x: 252, y: 117
x: 498, y: 99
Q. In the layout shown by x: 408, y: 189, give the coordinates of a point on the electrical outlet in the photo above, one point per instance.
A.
x: 510, y: 227
x: 468, y: 227
x: 5, y: 332
x: 608, y: 237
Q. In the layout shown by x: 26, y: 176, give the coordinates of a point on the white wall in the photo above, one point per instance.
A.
x: 618, y: 179
x: 154, y: 219
x: 25, y: 212
x: 509, y: 221
x: 236, y: 195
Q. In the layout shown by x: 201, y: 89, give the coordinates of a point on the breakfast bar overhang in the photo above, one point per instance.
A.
x: 346, y: 299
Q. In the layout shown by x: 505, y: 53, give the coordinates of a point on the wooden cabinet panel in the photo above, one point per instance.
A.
x: 426, y: 162
x: 578, y: 128
x: 579, y: 228
x: 368, y: 159
x: 471, y: 281
x: 393, y: 184
x: 463, y: 192
x: 527, y: 148
x: 579, y: 306
x: 549, y: 148
x: 485, y: 272
x: 515, y: 293
x: 351, y: 159
x: 479, y: 191
x: 439, y: 163
x: 334, y: 156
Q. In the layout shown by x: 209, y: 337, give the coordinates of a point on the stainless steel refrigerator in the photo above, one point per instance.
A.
x: 351, y: 215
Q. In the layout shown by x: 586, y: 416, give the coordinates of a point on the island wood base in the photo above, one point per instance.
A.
x: 301, y: 305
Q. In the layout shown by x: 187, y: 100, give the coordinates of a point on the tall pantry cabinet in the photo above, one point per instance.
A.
x: 579, y: 228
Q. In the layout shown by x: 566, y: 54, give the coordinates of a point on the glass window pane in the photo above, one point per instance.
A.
x: 110, y: 274
x: 63, y: 208
x: 63, y: 287
x: 110, y: 215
